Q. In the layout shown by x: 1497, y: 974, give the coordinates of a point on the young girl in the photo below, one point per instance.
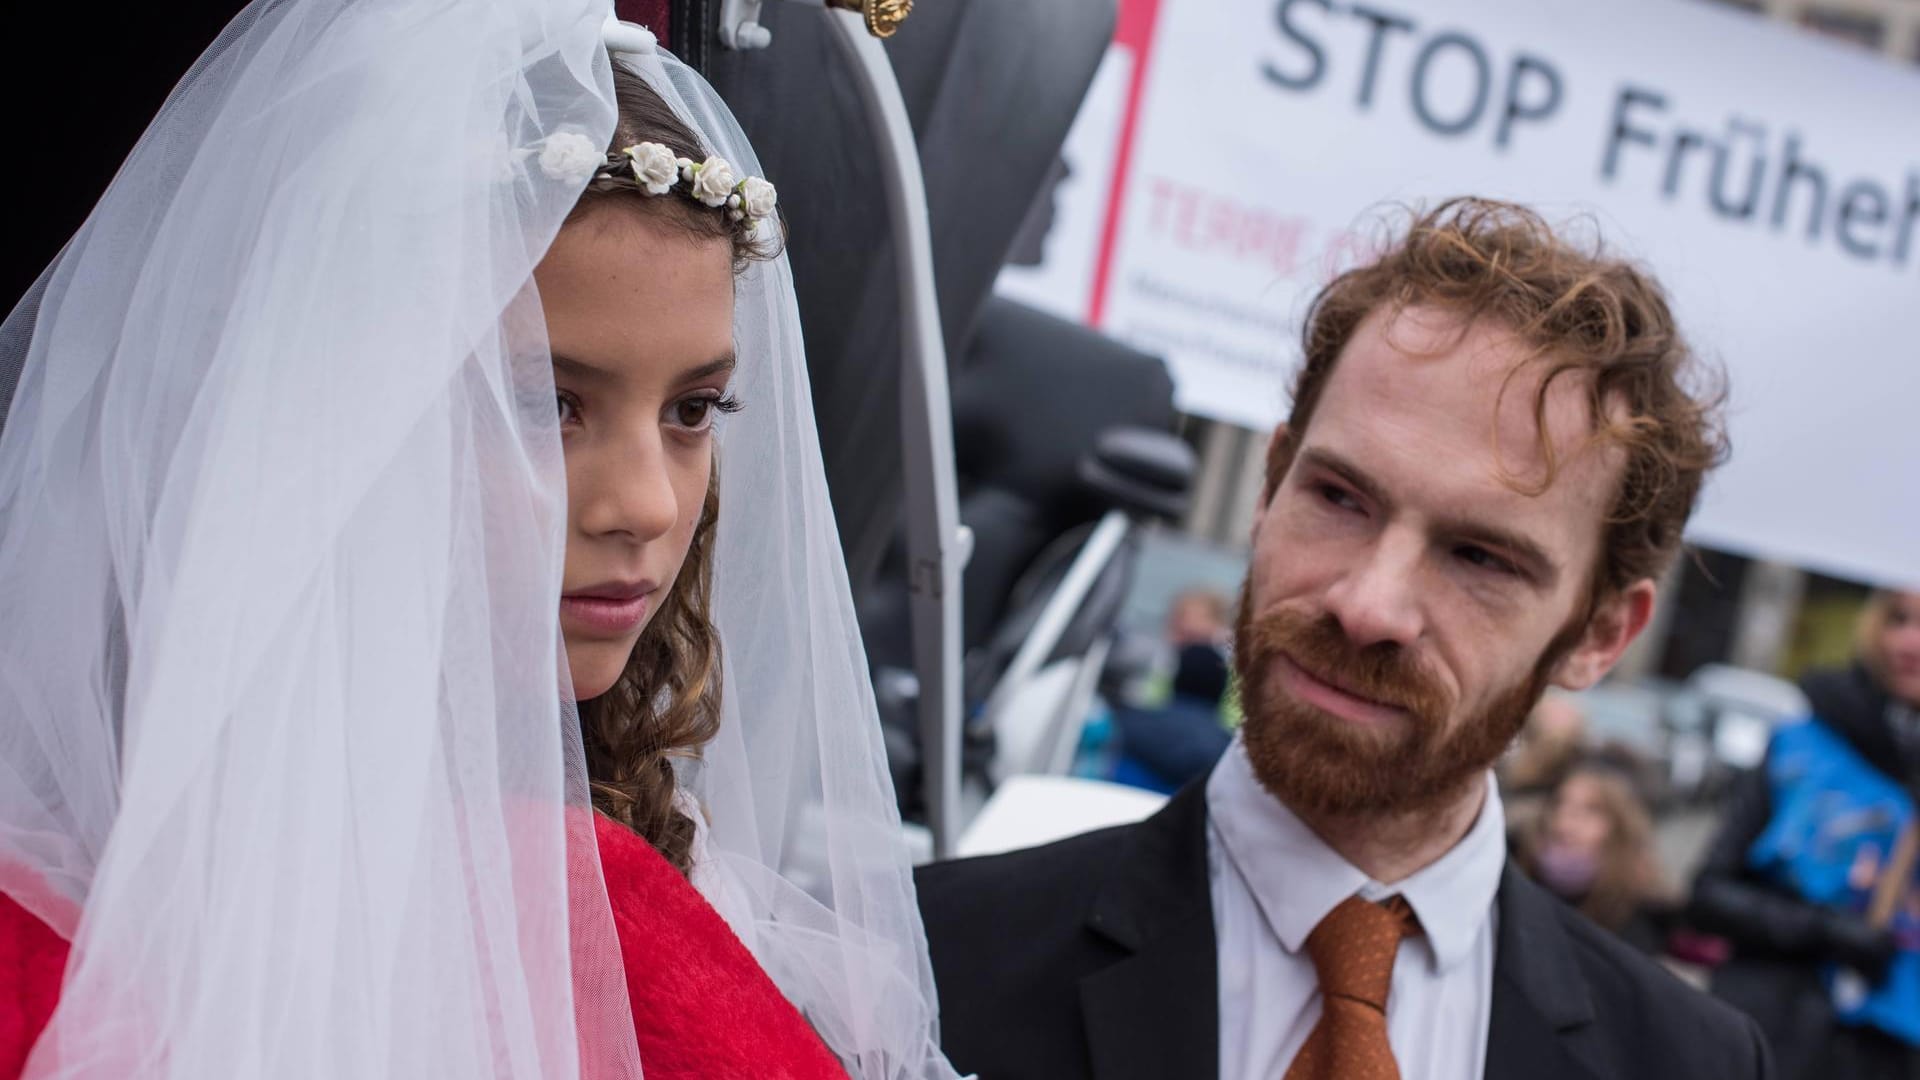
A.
x: 374, y: 551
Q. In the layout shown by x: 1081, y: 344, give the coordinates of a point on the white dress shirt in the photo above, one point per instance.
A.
x: 1273, y: 880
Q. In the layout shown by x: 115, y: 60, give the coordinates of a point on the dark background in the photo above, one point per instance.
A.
x: 88, y: 78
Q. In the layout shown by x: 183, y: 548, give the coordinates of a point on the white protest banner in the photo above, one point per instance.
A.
x: 1233, y: 154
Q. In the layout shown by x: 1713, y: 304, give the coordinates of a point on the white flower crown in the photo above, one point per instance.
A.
x: 747, y: 201
x: 572, y: 157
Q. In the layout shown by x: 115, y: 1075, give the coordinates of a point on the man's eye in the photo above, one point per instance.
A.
x: 1338, y: 496
x: 1483, y: 559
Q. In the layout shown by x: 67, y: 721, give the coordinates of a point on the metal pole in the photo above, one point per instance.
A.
x: 936, y: 544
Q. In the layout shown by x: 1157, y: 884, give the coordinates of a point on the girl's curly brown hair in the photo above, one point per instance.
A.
x: 666, y: 703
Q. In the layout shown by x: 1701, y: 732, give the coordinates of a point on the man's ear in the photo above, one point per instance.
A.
x: 1279, y: 456
x: 1616, y: 622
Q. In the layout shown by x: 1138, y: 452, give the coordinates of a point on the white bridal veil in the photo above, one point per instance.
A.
x: 283, y: 745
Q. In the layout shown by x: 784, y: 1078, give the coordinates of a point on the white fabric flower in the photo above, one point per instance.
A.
x: 570, y: 157
x: 758, y: 198
x: 713, y: 182
x: 654, y: 167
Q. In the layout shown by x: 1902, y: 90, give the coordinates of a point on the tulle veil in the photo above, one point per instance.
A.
x: 284, y: 746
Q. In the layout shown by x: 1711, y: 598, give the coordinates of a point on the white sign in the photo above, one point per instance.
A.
x: 1235, y: 153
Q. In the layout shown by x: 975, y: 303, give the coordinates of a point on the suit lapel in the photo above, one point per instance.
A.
x: 1542, y: 1022
x: 1155, y: 1011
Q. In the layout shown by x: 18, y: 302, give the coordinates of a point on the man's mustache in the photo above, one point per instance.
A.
x: 1388, y: 674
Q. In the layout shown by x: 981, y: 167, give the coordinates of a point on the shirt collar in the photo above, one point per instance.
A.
x: 1296, y: 878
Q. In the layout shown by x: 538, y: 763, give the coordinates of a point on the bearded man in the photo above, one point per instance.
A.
x: 1496, y: 438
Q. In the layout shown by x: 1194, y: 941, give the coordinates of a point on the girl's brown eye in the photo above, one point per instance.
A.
x: 694, y: 413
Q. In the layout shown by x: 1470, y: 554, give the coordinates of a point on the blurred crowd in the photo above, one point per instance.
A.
x: 1804, y: 911
x: 1811, y: 878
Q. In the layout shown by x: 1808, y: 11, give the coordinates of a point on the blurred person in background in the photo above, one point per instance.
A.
x: 1593, y: 848
x: 1198, y: 629
x: 1549, y: 746
x: 1808, y: 877
x: 1181, y: 734
x: 1198, y: 616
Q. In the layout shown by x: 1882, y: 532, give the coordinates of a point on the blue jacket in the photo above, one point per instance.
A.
x: 1835, y: 820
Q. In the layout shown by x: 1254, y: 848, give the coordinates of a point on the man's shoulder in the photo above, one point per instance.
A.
x: 1650, y: 1014
x: 1166, y: 848
x: 1618, y: 973
x: 1010, y: 937
x: 1042, y: 876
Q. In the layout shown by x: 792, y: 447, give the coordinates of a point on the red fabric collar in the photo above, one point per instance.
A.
x: 702, y: 1007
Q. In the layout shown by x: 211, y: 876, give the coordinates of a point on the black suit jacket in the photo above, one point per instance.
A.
x: 1094, y: 957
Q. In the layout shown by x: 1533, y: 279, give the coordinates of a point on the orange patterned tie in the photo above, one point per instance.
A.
x: 1353, y: 950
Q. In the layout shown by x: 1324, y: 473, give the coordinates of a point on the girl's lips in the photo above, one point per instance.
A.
x: 604, y: 615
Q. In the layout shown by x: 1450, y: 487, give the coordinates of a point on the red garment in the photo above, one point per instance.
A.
x: 702, y: 1007
x: 652, y: 14
x: 32, y: 960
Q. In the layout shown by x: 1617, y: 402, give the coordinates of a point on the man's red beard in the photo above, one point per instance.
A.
x: 1321, y: 764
